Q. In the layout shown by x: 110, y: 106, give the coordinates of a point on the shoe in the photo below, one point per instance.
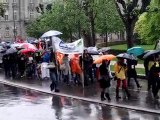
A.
x: 118, y: 97
x: 103, y: 99
x: 139, y: 87
x: 156, y: 97
x: 108, y: 97
x: 52, y: 87
x: 56, y: 90
x: 22, y: 76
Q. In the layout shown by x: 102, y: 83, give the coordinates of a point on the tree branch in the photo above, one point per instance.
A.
x: 119, y: 11
x: 145, y: 3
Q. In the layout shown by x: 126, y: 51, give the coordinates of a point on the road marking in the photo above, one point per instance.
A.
x: 27, y: 87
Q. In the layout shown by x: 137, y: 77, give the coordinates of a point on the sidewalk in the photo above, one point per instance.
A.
x: 140, y: 100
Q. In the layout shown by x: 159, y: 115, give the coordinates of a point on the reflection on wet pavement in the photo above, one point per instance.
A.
x: 17, y: 104
x: 138, y: 98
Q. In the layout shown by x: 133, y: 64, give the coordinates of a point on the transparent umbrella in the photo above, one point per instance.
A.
x: 51, y: 33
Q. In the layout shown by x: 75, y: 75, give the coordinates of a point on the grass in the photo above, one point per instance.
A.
x: 139, y: 70
x: 124, y: 47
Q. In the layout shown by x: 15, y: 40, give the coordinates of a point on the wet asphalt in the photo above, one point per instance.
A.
x: 20, y: 104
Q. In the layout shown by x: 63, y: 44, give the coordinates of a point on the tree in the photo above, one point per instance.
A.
x: 75, y: 18
x: 148, y: 25
x: 108, y: 20
x: 129, y: 11
x: 2, y: 10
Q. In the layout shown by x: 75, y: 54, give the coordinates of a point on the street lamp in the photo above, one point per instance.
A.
x: 14, y: 22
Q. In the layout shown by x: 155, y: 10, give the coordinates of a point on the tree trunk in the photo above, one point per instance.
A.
x: 79, y: 29
x: 93, y: 36
x: 106, y: 38
x: 129, y: 34
x: 70, y: 33
x: 122, y: 38
x: 87, y: 38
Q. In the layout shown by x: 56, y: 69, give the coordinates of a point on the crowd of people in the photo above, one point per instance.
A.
x: 71, y: 67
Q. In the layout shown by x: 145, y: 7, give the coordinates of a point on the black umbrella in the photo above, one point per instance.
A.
x: 126, y: 56
x: 151, y: 54
x: 145, y: 52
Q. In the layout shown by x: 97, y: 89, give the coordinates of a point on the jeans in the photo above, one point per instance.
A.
x: 53, y: 77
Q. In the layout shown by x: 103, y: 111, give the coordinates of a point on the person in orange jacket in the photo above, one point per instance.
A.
x: 76, y: 69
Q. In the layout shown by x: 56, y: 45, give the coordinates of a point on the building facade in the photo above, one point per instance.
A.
x: 17, y: 14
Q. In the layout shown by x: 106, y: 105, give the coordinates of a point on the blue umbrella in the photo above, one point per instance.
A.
x: 136, y: 51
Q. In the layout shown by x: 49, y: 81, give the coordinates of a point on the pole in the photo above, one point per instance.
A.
x: 14, y: 24
x: 82, y: 72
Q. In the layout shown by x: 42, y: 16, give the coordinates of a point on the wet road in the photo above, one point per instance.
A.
x: 18, y: 104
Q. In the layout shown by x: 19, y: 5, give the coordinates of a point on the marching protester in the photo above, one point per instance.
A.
x: 76, y: 69
x: 131, y: 72
x: 104, y: 80
x: 120, y: 76
x: 66, y: 71
x: 155, y: 75
x: 53, y: 76
x: 5, y: 60
x: 21, y: 65
x: 29, y: 66
x: 13, y: 64
x: 87, y: 67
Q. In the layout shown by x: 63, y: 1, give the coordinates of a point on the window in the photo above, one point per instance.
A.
x: 31, y: 1
x: 15, y: 31
x: 7, y: 31
x: 5, y: 1
x: 31, y: 15
x: 14, y: 1
x: 6, y: 17
x: 15, y: 15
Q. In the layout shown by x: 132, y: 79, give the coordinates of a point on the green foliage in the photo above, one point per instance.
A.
x: 71, y: 17
x: 2, y: 10
x: 108, y: 19
x: 148, y: 25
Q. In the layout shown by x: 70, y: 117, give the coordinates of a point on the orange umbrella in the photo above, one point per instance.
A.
x: 104, y: 57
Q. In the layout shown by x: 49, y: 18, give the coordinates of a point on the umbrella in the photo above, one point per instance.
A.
x: 24, y: 51
x: 51, y: 33
x: 16, y: 45
x: 104, y: 57
x: 104, y: 49
x: 136, y: 51
x: 126, y: 56
x: 29, y: 46
x: 151, y: 53
x: 11, y: 51
x: 145, y: 52
x: 92, y: 50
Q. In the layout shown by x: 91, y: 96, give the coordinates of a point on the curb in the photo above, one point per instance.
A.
x: 26, y: 87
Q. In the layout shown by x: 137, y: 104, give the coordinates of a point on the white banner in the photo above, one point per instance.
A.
x: 68, y: 48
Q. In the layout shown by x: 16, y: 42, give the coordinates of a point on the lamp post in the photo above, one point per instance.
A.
x: 14, y: 22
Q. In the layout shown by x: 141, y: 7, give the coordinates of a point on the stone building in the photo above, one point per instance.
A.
x: 17, y: 14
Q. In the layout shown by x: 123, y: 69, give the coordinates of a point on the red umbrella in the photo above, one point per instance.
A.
x: 29, y: 46
x: 24, y: 51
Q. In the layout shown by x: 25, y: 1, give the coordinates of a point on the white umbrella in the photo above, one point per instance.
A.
x: 104, y: 49
x: 51, y: 33
x: 16, y: 45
